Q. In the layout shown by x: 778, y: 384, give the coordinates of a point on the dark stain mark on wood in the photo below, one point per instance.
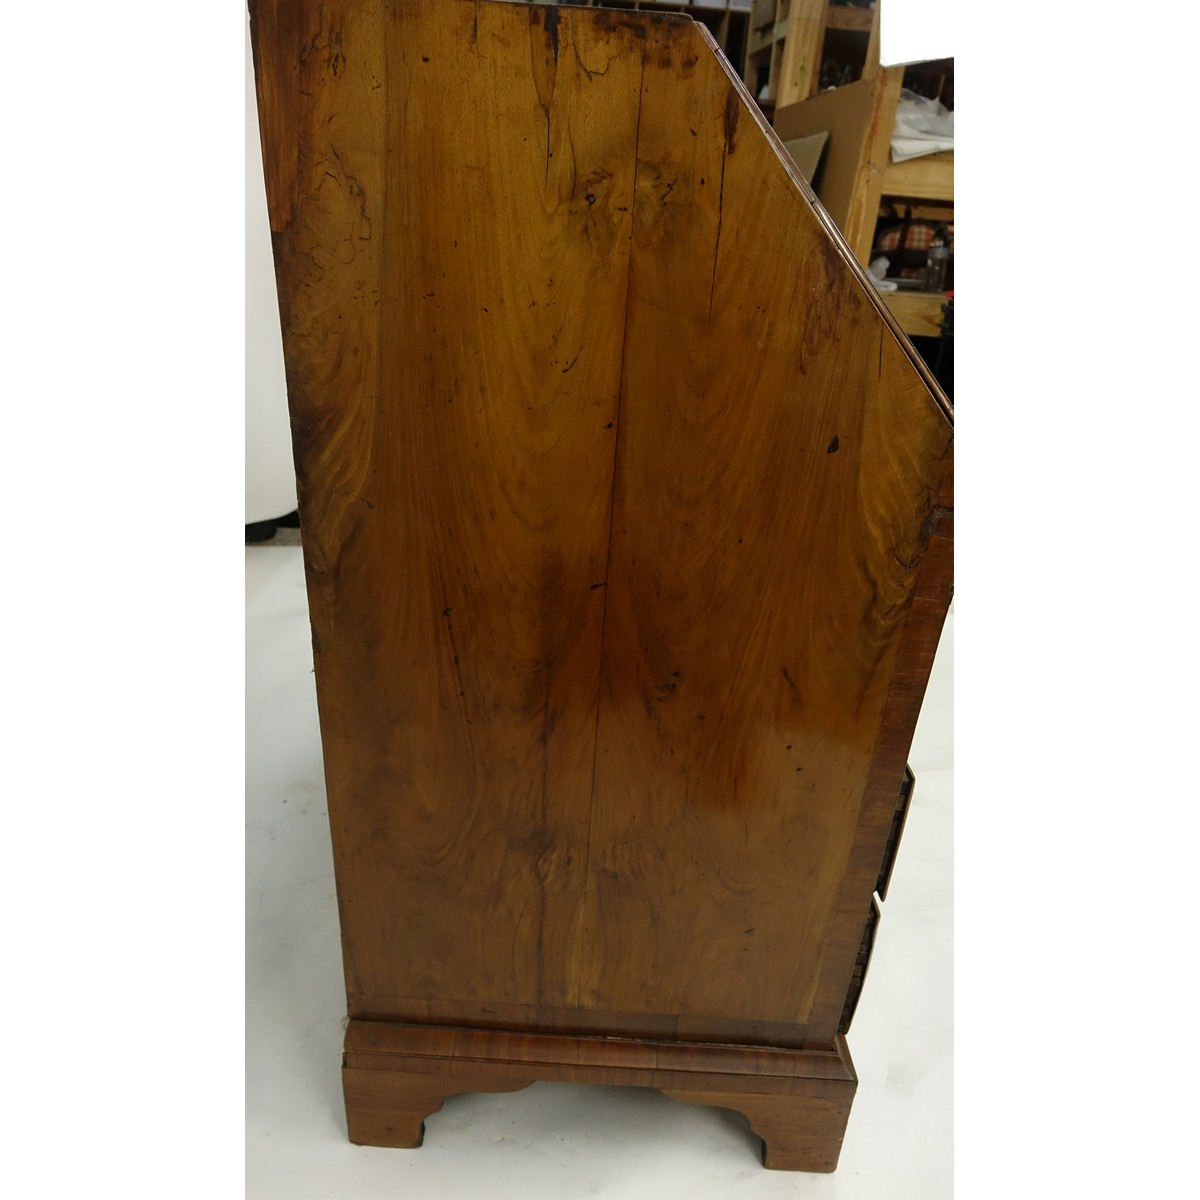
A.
x: 792, y: 686
x: 590, y: 198
x: 446, y: 612
x: 720, y: 215
x: 732, y: 107
x: 933, y: 522
x: 336, y: 59
x: 551, y: 26
x: 833, y: 446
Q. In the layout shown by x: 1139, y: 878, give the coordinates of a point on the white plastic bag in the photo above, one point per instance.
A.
x: 923, y: 126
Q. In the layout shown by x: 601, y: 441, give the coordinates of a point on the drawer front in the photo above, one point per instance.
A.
x: 895, y: 833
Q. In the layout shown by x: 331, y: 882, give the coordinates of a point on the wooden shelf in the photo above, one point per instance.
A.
x: 783, y: 54
x: 858, y: 177
x: 857, y: 20
x: 919, y: 313
x: 927, y: 178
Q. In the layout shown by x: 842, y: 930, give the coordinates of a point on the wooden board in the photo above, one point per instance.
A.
x: 919, y: 313
x: 796, y: 1101
x: 846, y: 114
x: 617, y: 481
x: 877, y: 148
x: 730, y: 767
x: 800, y: 62
x: 930, y: 177
x: 859, y: 20
x: 454, y: 423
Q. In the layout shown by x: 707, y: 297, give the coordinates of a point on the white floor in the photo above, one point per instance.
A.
x: 557, y: 1140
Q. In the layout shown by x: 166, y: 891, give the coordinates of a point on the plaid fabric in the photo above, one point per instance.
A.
x: 920, y: 237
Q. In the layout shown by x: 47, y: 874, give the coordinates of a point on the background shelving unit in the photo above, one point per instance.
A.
x: 857, y: 182
x: 797, y: 47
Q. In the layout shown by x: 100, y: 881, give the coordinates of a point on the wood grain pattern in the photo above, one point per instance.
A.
x: 877, y: 143
x: 859, y: 20
x: 456, y: 471
x: 797, y: 1102
x: 930, y: 177
x: 799, y: 1132
x: 622, y: 501
x: 779, y: 500
x: 800, y: 59
x: 388, y: 1108
x: 387, y: 1045
x: 919, y: 313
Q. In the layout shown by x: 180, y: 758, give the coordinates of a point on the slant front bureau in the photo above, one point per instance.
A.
x: 627, y: 528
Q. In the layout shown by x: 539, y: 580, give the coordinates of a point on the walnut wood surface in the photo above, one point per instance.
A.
x: 797, y: 1102
x: 620, y: 499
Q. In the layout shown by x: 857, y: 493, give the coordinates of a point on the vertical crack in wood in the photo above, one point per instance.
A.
x: 720, y: 217
x: 612, y: 500
x: 543, y: 88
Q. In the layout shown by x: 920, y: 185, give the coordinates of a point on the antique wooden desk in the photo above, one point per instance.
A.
x: 627, y: 528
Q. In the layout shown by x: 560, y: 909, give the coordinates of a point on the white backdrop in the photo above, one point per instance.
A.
x: 270, y: 477
x: 915, y: 31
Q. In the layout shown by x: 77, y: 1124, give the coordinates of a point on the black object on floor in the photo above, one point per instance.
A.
x: 258, y: 532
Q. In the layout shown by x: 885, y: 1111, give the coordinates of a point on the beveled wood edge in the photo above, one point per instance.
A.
x: 579, y: 1022
x: 379, y: 1045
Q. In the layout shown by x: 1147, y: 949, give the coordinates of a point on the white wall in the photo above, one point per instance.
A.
x: 916, y: 30
x: 270, y: 477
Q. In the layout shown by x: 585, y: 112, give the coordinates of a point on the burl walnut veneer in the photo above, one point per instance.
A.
x: 627, y: 529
